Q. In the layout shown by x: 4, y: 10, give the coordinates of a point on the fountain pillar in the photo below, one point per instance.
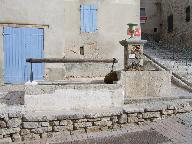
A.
x: 133, y: 51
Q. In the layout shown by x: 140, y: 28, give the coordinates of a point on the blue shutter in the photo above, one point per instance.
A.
x: 19, y: 44
x: 82, y: 18
x: 88, y: 18
x: 93, y: 18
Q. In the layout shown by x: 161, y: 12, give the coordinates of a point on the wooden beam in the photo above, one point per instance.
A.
x: 18, y: 25
x: 60, y: 60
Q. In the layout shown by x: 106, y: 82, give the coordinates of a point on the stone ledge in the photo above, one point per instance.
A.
x: 59, y: 115
x: 155, y: 99
x: 49, y: 89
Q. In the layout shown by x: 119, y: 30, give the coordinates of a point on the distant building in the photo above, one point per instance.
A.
x: 176, y: 20
x: 61, y: 28
x: 168, y: 18
x: 152, y: 10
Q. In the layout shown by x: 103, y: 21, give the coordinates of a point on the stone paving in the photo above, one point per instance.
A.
x: 178, y: 66
x: 174, y: 130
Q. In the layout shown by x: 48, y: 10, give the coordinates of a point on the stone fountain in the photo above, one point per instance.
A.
x: 133, y: 82
x: 138, y: 82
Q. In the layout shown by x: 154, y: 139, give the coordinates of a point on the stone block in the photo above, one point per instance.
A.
x: 5, y: 131
x: 44, y: 124
x: 2, y: 124
x: 62, y: 128
x: 103, y: 123
x: 54, y: 123
x: 4, y: 116
x: 105, y: 119
x: 82, y: 125
x: 139, y: 115
x: 15, y: 114
x: 114, y: 119
x: 14, y: 122
x: 167, y: 112
x: 93, y: 119
x: 31, y: 125
x: 171, y: 107
x: 151, y: 115
x: 16, y: 137
x: 132, y: 119
x: 122, y: 119
x: 66, y: 122
x: 5, y: 141
x: 93, y: 129
x: 41, y: 130
x: 79, y: 120
x: 30, y: 137
x: 24, y: 131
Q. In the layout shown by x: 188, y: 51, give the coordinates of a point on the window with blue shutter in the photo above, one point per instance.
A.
x: 88, y: 18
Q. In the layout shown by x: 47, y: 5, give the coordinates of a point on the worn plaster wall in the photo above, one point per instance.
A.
x: 63, y: 37
x: 153, y: 12
x: 181, y: 28
x: 1, y: 57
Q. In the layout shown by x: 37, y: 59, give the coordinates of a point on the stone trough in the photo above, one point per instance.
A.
x: 73, y: 96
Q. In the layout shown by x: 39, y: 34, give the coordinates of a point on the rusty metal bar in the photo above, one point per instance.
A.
x: 60, y: 60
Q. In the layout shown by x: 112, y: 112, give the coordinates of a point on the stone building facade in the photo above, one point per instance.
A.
x: 152, y: 10
x: 176, y: 20
x: 63, y: 36
x: 172, y: 18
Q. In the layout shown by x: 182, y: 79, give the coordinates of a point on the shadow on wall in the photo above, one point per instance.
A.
x: 13, y: 98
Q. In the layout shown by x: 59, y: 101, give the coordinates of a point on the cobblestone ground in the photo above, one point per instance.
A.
x: 175, y: 130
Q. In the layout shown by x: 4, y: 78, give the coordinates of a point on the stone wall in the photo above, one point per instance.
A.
x: 27, y: 126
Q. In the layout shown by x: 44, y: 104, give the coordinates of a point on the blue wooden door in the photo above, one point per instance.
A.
x: 19, y: 44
